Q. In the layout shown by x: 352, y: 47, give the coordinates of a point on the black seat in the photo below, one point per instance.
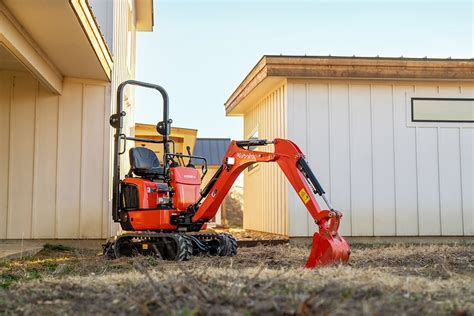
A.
x: 144, y: 163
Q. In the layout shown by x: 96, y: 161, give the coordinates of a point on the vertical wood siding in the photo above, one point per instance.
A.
x: 121, y: 10
x: 265, y: 192
x: 388, y: 178
x: 52, y: 159
x: 5, y: 101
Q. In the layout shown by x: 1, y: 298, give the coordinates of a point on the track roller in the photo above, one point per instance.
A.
x: 222, y: 244
x: 166, y: 246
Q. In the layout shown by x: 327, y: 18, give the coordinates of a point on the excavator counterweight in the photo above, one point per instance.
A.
x: 162, y: 207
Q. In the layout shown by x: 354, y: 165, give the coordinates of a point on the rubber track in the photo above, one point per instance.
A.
x: 184, y: 245
x: 227, y: 241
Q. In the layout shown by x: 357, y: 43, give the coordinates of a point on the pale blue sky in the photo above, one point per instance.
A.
x: 201, y: 50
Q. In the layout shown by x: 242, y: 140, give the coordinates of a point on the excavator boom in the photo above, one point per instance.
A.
x: 328, y: 246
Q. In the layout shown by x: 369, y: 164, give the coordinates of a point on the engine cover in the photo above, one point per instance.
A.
x: 186, y: 183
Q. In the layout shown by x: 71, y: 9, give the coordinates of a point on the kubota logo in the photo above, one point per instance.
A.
x: 245, y: 156
x: 189, y: 176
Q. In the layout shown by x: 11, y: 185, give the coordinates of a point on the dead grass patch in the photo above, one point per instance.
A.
x: 397, y: 279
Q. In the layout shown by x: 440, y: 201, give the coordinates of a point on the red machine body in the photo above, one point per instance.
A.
x: 186, y: 183
x: 140, y: 201
x: 148, y: 203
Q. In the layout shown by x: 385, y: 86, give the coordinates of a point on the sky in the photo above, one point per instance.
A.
x: 200, y: 51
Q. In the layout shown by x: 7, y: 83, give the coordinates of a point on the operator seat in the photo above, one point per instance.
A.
x: 144, y: 163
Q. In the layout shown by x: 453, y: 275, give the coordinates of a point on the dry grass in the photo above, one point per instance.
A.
x: 398, y: 279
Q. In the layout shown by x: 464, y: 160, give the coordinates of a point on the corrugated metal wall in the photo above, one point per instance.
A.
x: 265, y: 194
x: 388, y: 178
x: 54, y: 159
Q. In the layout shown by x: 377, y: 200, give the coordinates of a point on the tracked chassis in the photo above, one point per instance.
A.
x: 170, y: 246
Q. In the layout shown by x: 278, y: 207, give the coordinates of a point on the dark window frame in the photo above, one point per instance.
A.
x: 412, y: 114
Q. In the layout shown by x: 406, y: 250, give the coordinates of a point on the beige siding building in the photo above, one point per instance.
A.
x: 182, y: 138
x: 57, y: 81
x: 391, y: 140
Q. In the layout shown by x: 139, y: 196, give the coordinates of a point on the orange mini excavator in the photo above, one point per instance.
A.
x: 162, y: 209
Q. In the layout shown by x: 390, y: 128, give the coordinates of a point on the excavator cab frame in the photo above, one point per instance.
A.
x: 163, y: 128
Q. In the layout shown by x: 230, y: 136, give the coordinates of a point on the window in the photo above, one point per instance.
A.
x: 253, y: 135
x: 442, y: 110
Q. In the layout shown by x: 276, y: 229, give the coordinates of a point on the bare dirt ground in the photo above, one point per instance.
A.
x: 380, y: 280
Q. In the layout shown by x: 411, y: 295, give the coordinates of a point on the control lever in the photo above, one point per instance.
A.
x: 190, y: 163
x: 180, y: 159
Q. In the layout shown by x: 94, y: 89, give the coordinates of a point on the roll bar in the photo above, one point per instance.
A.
x: 116, y: 121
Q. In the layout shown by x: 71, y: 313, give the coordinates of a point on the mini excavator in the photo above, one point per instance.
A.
x: 162, y: 209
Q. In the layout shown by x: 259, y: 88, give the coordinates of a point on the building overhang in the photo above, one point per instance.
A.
x: 144, y: 15
x: 55, y: 39
x: 271, y: 71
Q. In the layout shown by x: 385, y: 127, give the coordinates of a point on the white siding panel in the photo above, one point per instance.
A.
x: 92, y: 162
x: 107, y: 174
x: 317, y: 146
x: 340, y: 189
x: 467, y: 172
x: 393, y: 177
x: 282, y: 181
x: 22, y: 134
x: 451, y: 161
x: 265, y: 202
x: 44, y: 204
x: 361, y: 161
x: 69, y: 161
x: 383, y: 161
x: 5, y: 95
x: 406, y: 197
x: 40, y: 159
x: 123, y: 70
x: 450, y: 182
x: 429, y: 220
x: 298, y: 217
x: 428, y: 181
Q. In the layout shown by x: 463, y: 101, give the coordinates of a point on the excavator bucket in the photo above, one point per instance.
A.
x: 328, y: 249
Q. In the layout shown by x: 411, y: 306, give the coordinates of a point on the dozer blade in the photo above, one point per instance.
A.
x: 328, y: 249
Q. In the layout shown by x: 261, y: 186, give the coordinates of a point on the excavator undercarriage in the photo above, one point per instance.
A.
x: 161, y: 207
x: 170, y: 246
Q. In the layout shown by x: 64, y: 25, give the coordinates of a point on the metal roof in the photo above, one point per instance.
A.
x: 213, y: 149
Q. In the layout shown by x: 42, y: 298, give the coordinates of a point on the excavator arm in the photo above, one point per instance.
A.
x: 328, y: 246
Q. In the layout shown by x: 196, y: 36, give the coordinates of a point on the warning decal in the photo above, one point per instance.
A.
x: 304, y: 195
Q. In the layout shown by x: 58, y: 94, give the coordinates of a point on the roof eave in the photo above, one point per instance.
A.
x: 27, y: 52
x: 91, y: 29
x: 324, y: 67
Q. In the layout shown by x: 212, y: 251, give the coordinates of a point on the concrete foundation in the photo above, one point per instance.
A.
x: 306, y: 241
